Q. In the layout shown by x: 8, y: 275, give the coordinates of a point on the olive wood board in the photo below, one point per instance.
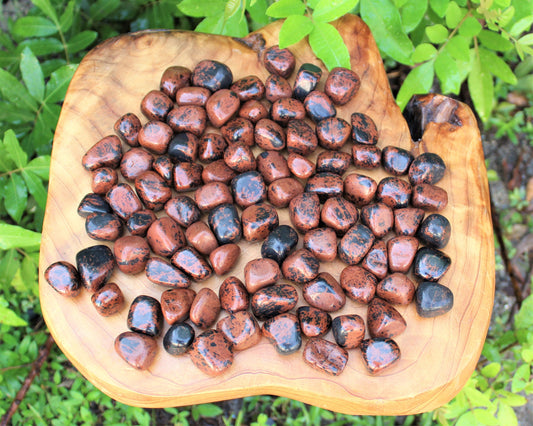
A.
x: 437, y: 355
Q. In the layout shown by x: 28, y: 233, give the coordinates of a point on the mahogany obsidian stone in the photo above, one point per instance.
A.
x: 63, y: 278
x: 306, y: 80
x: 139, y: 222
x: 364, y: 130
x: 248, y: 188
x: 103, y: 226
x: 145, y: 316
x: 108, y: 299
x: 183, y: 210
x: 433, y: 299
x: 183, y: 147
x: 341, y: 85
x: 161, y: 272
x: 178, y: 338
x: 324, y: 292
x: 325, y: 356
x: 192, y: 263
x: 93, y: 203
x: 430, y: 264
x: 427, y: 168
x: 225, y: 223
x: 279, y: 61
x: 348, y: 330
x: 313, y: 322
x: 435, y: 231
x: 394, y: 192
x: 211, y: 353
x: 138, y: 350
x: 319, y: 106
x: 283, y: 331
x: 333, y: 162
x: 258, y: 221
x: 248, y: 88
x: 396, y: 160
x: 212, y: 75
x: 233, y: 295
x: 355, y: 244
x: 279, y: 243
x: 325, y: 185
x: 95, y: 265
x: 379, y: 354
x: 241, y: 329
x: 273, y: 300
x: 300, y: 267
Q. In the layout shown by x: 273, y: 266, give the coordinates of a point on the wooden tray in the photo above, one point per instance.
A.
x: 438, y: 355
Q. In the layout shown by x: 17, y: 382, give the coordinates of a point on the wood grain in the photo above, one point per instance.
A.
x: 438, y: 355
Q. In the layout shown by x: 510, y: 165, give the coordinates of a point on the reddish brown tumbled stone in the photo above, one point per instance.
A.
x: 212, y: 75
x: 108, y: 299
x: 222, y: 106
x: 123, y: 200
x: 248, y: 188
x: 333, y: 162
x: 283, y: 331
x: 276, y: 87
x: 394, y: 192
x: 224, y: 257
x: 63, y: 278
x: 253, y: 110
x: 299, y: 166
x: 93, y: 203
x: 127, y: 128
x: 285, y: 109
x: 218, y: 171
x: 241, y: 329
x: 135, y: 162
x: 282, y: 191
x: 145, y: 316
x: 358, y: 283
x: 301, y: 138
x: 173, y: 79
x: 107, y: 152
x: 379, y: 354
x: 259, y: 273
x: 364, y: 130
x: 322, y: 242
x: 359, y: 189
x: 324, y: 292
x: 238, y: 130
x: 272, y: 166
x: 155, y: 136
x: 156, y: 105
x: 313, y: 322
x: 239, y: 157
x: 192, y: 263
x: 131, y: 253
x: 183, y: 210
x: 273, y: 300
x: 401, y: 251
x: 103, y: 226
x: 279, y: 61
x: 249, y: 88
x: 258, y: 220
x: 333, y: 133
x: 304, y: 211
x: 103, y: 179
x: 378, y: 217
x: 165, y: 237
x: 407, y: 220
x: 211, y: 353
x: 306, y: 80
x: 163, y: 165
x: 429, y: 197
x: 435, y: 231
x: 187, y: 118
x: 325, y: 185
x: 161, y: 272
x: 192, y: 95
x: 383, y: 320
x: 300, y: 266
x: 211, y: 148
x: 355, y: 244
x: 395, y: 160
x: 233, y: 295
x: 176, y: 304
x: 269, y: 135
x: 325, y: 356
x: 205, y: 308
x: 375, y: 260
x: 187, y: 176
x: 339, y: 214
x: 366, y: 156
x: 138, y: 350
x: 341, y: 85
x: 152, y: 190
x: 348, y: 330
x: 397, y: 289
x: 200, y: 236
x: 319, y: 106
x: 212, y: 194
x: 427, y: 168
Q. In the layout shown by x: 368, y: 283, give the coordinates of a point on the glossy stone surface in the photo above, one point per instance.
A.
x: 108, y: 299
x: 211, y: 147
x: 205, y: 308
x: 285, y: 109
x: 401, y: 251
x: 212, y: 194
x: 306, y: 80
x: 248, y: 188
x: 279, y: 243
x: 139, y: 222
x: 155, y: 136
x: 218, y: 171
x: 63, y: 278
x: 183, y: 210
x: 299, y: 166
x: 394, y: 192
x: 173, y: 79
x: 304, y: 211
x: 269, y: 135
x: 192, y: 95
x: 279, y: 61
x: 383, y: 320
x: 127, y: 128
x: 145, y: 316
x: 282, y: 191
x: 364, y: 130
x: 238, y: 130
x: 322, y: 243
x: 176, y: 304
x: 163, y: 165
x: 355, y: 244
x: 333, y: 133
x: 407, y: 220
x: 200, y: 237
x: 249, y: 88
x: 319, y: 106
x: 107, y: 152
x: 138, y: 350
x: 178, y: 338
x: 313, y: 322
x: 277, y: 87
x: 253, y: 110
x: 187, y: 176
x: 161, y: 272
x: 212, y: 75
x: 123, y: 200
x: 325, y: 356
x: 428, y: 167
x: 333, y: 162
x: 155, y: 105
x: 225, y: 223
x: 433, y: 299
x: 95, y: 265
x: 224, y: 258
x: 165, y: 237
x: 378, y: 217
x: 429, y: 197
x: 366, y: 156
x: 358, y: 283
x: 131, y: 254
x: 435, y: 231
x: 379, y: 354
x: 240, y: 158
x: 103, y: 226
x: 192, y: 263
x: 325, y: 185
x: 258, y: 220
x: 211, y: 353
x: 93, y: 203
x: 300, y: 266
x: 301, y: 138
x: 395, y: 160
x: 342, y: 85
x: 324, y: 292
x: 283, y: 331
x: 376, y: 260
x: 396, y: 288
x: 430, y: 264
x: 233, y: 295
x: 153, y: 191
x: 222, y: 106
x: 359, y: 189
x: 273, y: 166
x: 339, y: 214
x: 240, y: 329
x: 259, y: 273
x: 183, y: 146
x: 273, y: 300
x: 187, y: 118
x: 103, y: 179
x: 348, y: 330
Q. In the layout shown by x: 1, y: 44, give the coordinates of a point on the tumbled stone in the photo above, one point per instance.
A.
x: 407, y: 220
x: 240, y: 329
x: 273, y: 300
x: 428, y: 168
x: 200, y: 236
x: 339, y: 214
x: 63, y: 278
x: 205, y: 308
x: 221, y: 107
x: 394, y: 192
x: 272, y: 166
x: 383, y: 320
x: 333, y: 133
x: 359, y: 189
x: 282, y: 111
x: 358, y: 283
x: 103, y: 179
x: 299, y: 166
x: 282, y: 191
x: 238, y: 130
x: 304, y: 211
x: 324, y: 292
x: 259, y: 273
x: 139, y: 222
x: 240, y: 158
x: 212, y: 75
x: 218, y: 171
x: 325, y: 185
x: 155, y: 105
x: 178, y: 338
x: 225, y: 223
x: 107, y: 152
x: 300, y: 138
x: 322, y: 243
x: 429, y: 197
x: 176, y: 304
x: 249, y: 88
x: 123, y: 200
x: 300, y: 267
x: 165, y: 237
x: 192, y: 95
x: 95, y: 265
x: 277, y: 87
x: 325, y: 356
x: 376, y: 260
x: 401, y: 251
x: 233, y: 295
x: 192, y: 263
x: 138, y: 350
x: 183, y: 147
x: 279, y: 243
x: 378, y: 217
x: 319, y: 106
x: 306, y: 80
x: 433, y: 299
x: 103, y: 226
x: 258, y: 220
x: 224, y: 258
x: 279, y: 61
x: 283, y: 331
x: 108, y: 299
x: 364, y: 130
x: 211, y: 353
x: 153, y: 191
x: 187, y: 176
x: 155, y: 136
x: 131, y: 254
x: 93, y: 203
x: 313, y: 322
x: 396, y: 288
x: 435, y: 231
x: 211, y: 148
x: 430, y: 264
x: 127, y: 128
x: 183, y: 210
x: 395, y: 160
x: 379, y: 354
x: 348, y: 330
x: 163, y: 166
x: 366, y: 156
x: 248, y: 188
x: 161, y: 272
x: 145, y: 316
x: 342, y: 85
x: 191, y: 119
x: 355, y: 244
x: 173, y: 79
x: 333, y: 162
x: 253, y: 110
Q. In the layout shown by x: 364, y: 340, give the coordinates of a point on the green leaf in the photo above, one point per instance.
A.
x: 12, y: 90
x: 32, y: 74
x: 328, y: 46
x: 9, y: 266
x: 329, y: 10
x: 232, y: 6
x: 39, y: 166
x: 9, y: 317
x: 43, y: 46
x: 418, y: 81
x: 439, y: 6
x: 66, y: 19
x: 520, y: 378
x: 284, y: 8
x: 36, y: 188
x: 506, y: 16
x: 497, y: 66
x: 198, y: 9
x: 13, y: 236
x: 470, y: 28
x: 384, y: 20
x: 481, y: 88
x: 494, y: 41
x: 520, y: 26
x: 423, y: 52
x: 294, y: 29
x: 467, y: 419
x: 33, y: 26
x: 448, y: 73
x: 258, y: 14
x: 209, y: 410
x: 81, y: 40
x: 59, y: 81
x: 526, y: 40
x: 485, y: 417
x: 459, y: 47
x: 17, y: 154
x: 506, y: 415
x: 454, y: 14
x: 437, y: 33
x: 412, y: 13
x: 511, y: 399
x: 103, y: 8
x: 47, y: 8
x: 15, y: 197
x: 491, y: 370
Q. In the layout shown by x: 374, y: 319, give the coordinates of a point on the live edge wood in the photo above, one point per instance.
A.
x: 438, y: 355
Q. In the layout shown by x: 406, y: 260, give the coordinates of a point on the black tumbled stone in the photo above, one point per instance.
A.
x: 433, y: 299
x: 95, y: 265
x: 430, y: 264
x: 435, y: 231
x: 306, y: 80
x: 279, y: 243
x: 225, y: 223
x: 178, y: 338
x: 93, y: 203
